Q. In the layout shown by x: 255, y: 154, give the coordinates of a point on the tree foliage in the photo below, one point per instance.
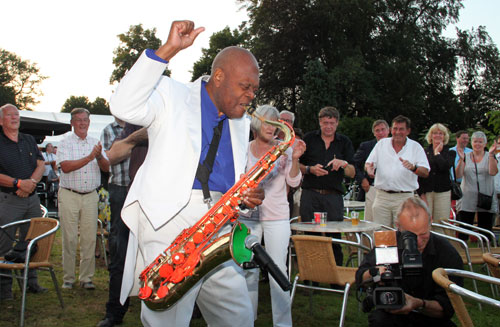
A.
x: 378, y: 58
x: 217, y: 42
x: 19, y: 81
x: 132, y: 44
x: 99, y: 107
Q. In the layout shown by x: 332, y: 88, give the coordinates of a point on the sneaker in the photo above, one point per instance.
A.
x: 67, y: 285
x: 87, y: 285
x: 35, y: 288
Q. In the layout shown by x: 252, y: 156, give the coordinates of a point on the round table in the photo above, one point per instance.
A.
x: 336, y: 227
x: 339, y: 227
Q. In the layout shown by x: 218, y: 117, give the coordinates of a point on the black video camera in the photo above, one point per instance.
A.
x: 384, y: 291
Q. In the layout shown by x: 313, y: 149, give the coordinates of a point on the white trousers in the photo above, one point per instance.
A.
x: 222, y: 296
x: 276, y: 237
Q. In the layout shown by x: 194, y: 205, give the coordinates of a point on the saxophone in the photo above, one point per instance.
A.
x: 198, y: 250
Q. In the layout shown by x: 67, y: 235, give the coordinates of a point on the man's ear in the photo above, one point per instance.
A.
x: 218, y: 77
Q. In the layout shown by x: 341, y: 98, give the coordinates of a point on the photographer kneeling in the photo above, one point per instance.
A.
x: 424, y: 302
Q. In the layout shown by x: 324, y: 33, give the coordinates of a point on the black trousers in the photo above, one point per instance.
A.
x: 333, y: 204
x: 14, y: 208
x: 118, y: 241
x: 381, y: 318
x: 484, y: 220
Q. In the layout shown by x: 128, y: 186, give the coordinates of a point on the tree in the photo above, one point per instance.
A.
x: 218, y: 41
x: 377, y: 58
x: 19, y: 81
x: 99, y: 107
x: 132, y: 44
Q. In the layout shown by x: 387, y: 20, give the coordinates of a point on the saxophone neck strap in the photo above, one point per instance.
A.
x: 205, y: 169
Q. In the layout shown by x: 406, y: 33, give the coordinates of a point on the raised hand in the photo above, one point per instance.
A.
x: 182, y: 35
x: 298, y: 149
x: 438, y: 149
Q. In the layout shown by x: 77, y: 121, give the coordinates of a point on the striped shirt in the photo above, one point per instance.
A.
x: 87, y: 178
x: 119, y: 172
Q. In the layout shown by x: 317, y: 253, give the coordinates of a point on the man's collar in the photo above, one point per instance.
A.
x: 430, y: 249
x: 76, y: 137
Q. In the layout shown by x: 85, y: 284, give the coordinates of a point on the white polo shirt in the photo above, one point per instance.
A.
x: 390, y: 175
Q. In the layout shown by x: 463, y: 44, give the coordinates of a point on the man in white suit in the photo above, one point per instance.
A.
x: 165, y: 197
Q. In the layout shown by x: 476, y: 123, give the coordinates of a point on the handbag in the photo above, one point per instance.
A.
x: 17, y: 253
x: 456, y: 189
x: 484, y: 201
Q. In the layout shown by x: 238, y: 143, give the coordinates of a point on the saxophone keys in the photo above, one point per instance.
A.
x: 178, y: 258
x: 198, y: 237
x: 162, y: 291
x: 166, y: 270
x: 208, y: 229
x: 189, y: 247
x: 145, y: 292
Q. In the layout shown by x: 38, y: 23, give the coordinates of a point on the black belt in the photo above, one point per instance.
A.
x: 81, y: 193
x: 392, y: 192
x: 324, y: 191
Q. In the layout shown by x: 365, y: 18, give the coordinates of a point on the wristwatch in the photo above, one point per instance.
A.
x: 414, y: 168
x: 308, y: 169
x: 14, y: 183
x: 422, y: 307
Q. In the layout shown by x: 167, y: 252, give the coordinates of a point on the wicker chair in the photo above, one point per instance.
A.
x: 42, y: 231
x: 493, y: 262
x: 455, y: 292
x: 316, y: 263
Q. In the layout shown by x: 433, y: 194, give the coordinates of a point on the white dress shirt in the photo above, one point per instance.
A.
x: 390, y: 175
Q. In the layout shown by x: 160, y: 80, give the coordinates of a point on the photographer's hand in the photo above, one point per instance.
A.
x: 411, y: 304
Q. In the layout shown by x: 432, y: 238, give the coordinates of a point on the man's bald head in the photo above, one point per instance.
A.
x: 234, y: 81
x: 230, y: 56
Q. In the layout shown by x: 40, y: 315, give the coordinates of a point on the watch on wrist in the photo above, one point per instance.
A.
x: 308, y: 169
x: 14, y: 183
x: 414, y: 168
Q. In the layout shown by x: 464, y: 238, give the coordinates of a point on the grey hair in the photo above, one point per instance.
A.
x: 265, y: 111
x: 479, y: 135
x: 5, y: 106
x: 413, y: 202
x: 289, y: 113
x: 77, y: 111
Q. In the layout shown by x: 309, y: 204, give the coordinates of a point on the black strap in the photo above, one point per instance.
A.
x: 454, y: 172
x: 204, y: 170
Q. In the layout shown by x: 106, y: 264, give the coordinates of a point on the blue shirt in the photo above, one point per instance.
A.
x: 222, y: 177
x: 466, y: 150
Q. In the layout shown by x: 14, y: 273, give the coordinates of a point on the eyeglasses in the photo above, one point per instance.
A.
x: 78, y: 120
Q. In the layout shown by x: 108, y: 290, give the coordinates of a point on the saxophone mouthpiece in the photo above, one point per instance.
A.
x: 250, y: 110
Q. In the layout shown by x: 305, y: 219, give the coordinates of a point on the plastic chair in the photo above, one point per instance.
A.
x: 455, y: 292
x: 42, y: 232
x: 316, y: 263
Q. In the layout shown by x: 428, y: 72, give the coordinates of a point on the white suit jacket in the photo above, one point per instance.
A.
x: 172, y: 112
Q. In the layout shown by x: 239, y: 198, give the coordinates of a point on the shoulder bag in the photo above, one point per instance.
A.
x: 484, y: 201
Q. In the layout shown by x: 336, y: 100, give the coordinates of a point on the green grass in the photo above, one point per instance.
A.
x: 86, y: 308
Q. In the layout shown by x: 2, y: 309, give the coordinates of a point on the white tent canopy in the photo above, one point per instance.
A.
x: 97, y: 123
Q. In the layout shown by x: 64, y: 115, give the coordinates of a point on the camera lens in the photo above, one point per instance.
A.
x: 388, y: 298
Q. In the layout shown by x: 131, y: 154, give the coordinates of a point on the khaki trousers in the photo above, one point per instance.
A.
x: 369, y: 199
x: 439, y: 204
x: 386, y: 205
x: 78, y: 210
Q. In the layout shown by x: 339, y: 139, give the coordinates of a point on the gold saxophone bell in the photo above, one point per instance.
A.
x: 198, y: 250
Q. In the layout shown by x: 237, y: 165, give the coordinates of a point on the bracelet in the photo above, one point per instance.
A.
x: 34, y: 180
x: 308, y: 169
x: 346, y: 164
x: 15, y: 183
x: 18, y: 183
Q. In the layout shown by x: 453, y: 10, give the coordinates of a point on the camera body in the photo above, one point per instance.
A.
x: 384, y: 291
